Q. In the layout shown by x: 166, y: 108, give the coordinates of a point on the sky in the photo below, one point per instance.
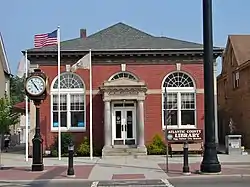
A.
x: 181, y: 19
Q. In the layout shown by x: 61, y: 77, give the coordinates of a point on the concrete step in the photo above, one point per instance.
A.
x: 124, y: 151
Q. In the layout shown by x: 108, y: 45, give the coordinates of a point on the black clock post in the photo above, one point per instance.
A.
x: 37, y: 97
x: 37, y: 158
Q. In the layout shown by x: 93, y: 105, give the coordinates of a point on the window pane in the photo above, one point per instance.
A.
x: 76, y: 102
x: 77, y: 119
x: 172, y: 116
x: 170, y: 109
x: 187, y: 101
x: 63, y: 102
x: 77, y: 110
x: 171, y: 101
x: 63, y: 106
x: 188, y: 117
x: 63, y: 119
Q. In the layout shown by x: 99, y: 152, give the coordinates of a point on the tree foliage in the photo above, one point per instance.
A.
x: 17, y: 93
x: 8, y: 116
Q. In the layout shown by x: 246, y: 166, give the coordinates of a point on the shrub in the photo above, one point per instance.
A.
x: 84, y: 148
x: 54, y: 153
x: 65, y: 140
x: 157, y: 147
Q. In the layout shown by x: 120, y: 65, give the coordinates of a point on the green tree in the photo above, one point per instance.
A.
x: 8, y: 116
x: 17, y: 93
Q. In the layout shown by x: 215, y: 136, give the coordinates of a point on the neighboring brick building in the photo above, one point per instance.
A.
x: 130, y: 69
x: 234, y: 88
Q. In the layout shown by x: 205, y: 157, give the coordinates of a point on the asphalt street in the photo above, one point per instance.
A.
x: 211, y: 182
x: 177, y: 182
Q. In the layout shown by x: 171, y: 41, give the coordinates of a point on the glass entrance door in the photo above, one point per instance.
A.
x: 124, y: 127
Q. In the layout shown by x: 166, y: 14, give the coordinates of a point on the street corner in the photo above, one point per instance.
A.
x: 175, y: 170
x: 49, y: 173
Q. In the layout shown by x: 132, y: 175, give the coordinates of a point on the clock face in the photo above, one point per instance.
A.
x: 35, y: 85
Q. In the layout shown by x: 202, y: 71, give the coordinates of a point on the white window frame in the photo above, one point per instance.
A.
x: 178, y: 90
x: 68, y: 92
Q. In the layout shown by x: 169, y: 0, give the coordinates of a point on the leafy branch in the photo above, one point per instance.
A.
x: 8, y: 116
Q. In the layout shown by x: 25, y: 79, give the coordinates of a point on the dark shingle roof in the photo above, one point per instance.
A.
x: 121, y: 36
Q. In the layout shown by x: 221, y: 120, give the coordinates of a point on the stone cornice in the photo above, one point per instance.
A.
x: 123, y: 89
x: 43, y: 57
x: 148, y: 91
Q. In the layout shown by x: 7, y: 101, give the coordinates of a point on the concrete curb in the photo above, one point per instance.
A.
x: 224, y: 164
x: 208, y: 176
x: 44, y: 180
x: 87, y: 180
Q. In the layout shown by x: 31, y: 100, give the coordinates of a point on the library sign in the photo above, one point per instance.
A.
x: 182, y: 135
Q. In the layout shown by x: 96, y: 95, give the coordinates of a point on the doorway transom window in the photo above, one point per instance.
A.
x: 123, y: 75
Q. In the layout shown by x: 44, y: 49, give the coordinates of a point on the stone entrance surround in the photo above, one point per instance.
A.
x: 123, y: 90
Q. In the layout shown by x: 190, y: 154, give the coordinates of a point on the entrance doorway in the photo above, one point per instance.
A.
x: 124, y: 123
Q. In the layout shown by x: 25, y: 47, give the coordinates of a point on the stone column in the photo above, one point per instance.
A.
x: 107, y: 124
x: 141, y: 123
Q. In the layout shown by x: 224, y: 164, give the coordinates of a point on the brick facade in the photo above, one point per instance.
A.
x: 148, y: 60
x: 152, y: 74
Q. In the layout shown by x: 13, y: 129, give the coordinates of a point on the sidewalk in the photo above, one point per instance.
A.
x: 142, y: 167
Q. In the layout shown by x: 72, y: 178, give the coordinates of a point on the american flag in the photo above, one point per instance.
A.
x: 42, y: 40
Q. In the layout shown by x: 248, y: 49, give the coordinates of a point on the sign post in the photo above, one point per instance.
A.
x: 166, y: 150
x: 166, y: 123
x: 183, y: 136
x: 185, y: 168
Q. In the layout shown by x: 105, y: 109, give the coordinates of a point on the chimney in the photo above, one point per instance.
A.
x: 83, y: 33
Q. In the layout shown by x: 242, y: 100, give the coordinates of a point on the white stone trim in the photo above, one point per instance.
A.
x: 123, y: 67
x: 178, y: 66
x: 67, y: 66
x: 149, y: 91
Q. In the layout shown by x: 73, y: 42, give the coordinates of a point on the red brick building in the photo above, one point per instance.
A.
x: 130, y: 70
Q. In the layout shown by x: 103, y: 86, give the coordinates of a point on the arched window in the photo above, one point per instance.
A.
x: 123, y: 75
x: 72, y: 103
x: 178, y: 106
x: 178, y: 79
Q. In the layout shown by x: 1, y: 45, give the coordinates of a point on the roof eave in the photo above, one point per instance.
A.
x: 197, y: 50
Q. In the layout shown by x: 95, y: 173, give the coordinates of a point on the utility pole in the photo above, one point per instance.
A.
x: 210, y: 162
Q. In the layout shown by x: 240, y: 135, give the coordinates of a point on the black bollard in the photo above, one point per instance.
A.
x: 71, y: 172
x: 185, y: 168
